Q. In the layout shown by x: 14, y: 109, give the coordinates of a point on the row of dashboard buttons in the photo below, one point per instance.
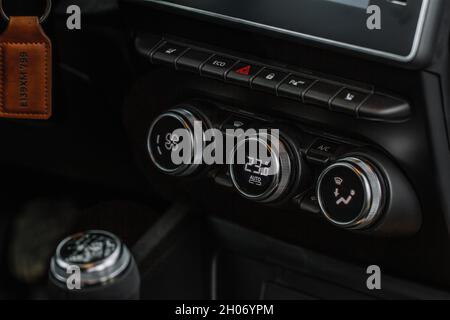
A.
x: 327, y: 94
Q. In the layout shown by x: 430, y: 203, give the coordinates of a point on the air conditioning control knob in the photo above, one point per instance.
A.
x: 163, y: 141
x: 262, y: 168
x: 350, y: 193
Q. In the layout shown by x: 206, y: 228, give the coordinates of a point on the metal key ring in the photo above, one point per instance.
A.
x: 42, y: 19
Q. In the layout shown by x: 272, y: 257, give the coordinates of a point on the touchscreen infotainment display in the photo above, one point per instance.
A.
x: 342, y: 23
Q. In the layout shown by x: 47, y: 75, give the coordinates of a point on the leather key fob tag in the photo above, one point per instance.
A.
x: 25, y: 70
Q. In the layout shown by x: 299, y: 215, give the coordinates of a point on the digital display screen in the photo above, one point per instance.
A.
x: 257, y: 166
x: 258, y: 173
x: 341, y: 23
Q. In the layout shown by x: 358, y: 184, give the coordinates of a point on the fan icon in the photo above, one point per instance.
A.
x: 172, y: 141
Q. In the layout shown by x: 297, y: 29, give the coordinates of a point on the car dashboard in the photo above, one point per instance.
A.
x: 353, y: 96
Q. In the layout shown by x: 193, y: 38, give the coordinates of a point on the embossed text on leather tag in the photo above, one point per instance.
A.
x: 25, y: 70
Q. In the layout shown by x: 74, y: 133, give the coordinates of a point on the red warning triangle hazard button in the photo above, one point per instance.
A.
x: 244, y: 70
x: 243, y: 73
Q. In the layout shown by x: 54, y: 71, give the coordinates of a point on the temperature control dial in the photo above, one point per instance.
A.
x: 261, y: 168
x: 169, y: 133
x: 350, y: 193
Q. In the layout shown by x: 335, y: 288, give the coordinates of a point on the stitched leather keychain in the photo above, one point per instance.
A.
x: 25, y: 68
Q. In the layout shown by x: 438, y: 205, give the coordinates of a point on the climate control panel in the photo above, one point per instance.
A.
x: 346, y: 184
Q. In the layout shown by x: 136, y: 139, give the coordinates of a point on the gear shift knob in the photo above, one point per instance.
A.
x: 93, y: 265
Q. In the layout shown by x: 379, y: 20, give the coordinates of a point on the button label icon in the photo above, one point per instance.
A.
x: 257, y: 181
x: 172, y: 141
x: 270, y: 76
x: 296, y: 83
x: 338, y: 181
x: 347, y: 200
x: 244, y: 70
x: 219, y: 63
x: 324, y: 148
x: 342, y: 200
x: 171, y: 50
x: 238, y: 124
x: 349, y: 97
